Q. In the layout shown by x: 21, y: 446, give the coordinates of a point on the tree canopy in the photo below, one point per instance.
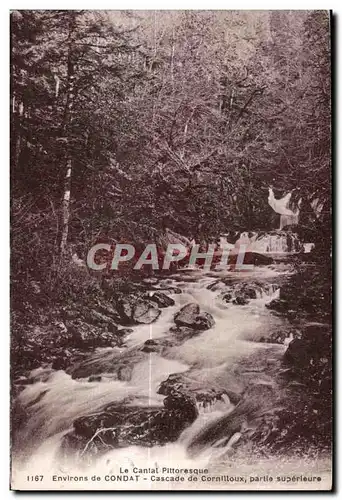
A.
x: 181, y: 118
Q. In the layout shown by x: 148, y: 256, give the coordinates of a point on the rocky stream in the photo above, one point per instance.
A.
x: 205, y: 374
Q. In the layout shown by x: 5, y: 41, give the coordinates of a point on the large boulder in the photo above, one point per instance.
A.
x: 120, y: 426
x: 85, y: 336
x: 64, y: 336
x: 59, y: 344
x: 240, y: 293
x: 189, y: 384
x: 137, y: 310
x: 190, y: 316
x: 115, y: 362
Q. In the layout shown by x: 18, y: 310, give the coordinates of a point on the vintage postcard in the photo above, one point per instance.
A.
x: 171, y: 243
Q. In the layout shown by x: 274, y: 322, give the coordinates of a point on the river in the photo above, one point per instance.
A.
x: 236, y: 352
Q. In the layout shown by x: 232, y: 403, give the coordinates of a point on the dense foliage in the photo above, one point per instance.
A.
x: 123, y: 123
x: 180, y: 118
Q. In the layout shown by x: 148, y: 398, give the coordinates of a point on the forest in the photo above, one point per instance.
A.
x: 123, y: 124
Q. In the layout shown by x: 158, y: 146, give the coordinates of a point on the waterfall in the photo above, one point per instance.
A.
x: 282, y: 206
x: 277, y: 242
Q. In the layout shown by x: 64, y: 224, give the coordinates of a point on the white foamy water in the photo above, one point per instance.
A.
x: 55, y: 399
x: 276, y: 243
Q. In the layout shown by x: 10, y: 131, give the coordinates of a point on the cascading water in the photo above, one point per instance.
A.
x: 229, y: 354
x: 277, y: 242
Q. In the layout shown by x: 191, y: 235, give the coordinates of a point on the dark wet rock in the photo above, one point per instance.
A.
x: 309, y: 420
x: 162, y: 300
x: 99, y: 319
x: 108, y: 310
x: 205, y: 321
x: 187, y: 315
x: 309, y: 358
x: 183, y: 333
x: 246, y: 258
x: 240, y: 293
x: 178, y: 335
x: 63, y: 358
x: 25, y: 356
x: 95, y: 378
x: 42, y: 346
x: 85, y: 336
x: 216, y: 285
x: 306, y: 373
x: 157, y: 345
x: 275, y: 335
x: 101, y: 313
x: 278, y: 305
x: 63, y: 335
x: 60, y: 362
x: 112, y: 361
x: 137, y: 310
x: 317, y: 331
x: 151, y: 345
x: 175, y: 290
x: 71, y: 443
x: 121, y: 426
x: 240, y: 301
x: 252, y: 291
x: 190, y: 316
x: 187, y: 383
x: 88, y: 425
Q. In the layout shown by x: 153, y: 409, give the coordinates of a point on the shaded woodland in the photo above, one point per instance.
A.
x: 124, y: 123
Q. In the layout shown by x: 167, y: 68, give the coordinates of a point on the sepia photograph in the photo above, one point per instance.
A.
x: 171, y: 250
